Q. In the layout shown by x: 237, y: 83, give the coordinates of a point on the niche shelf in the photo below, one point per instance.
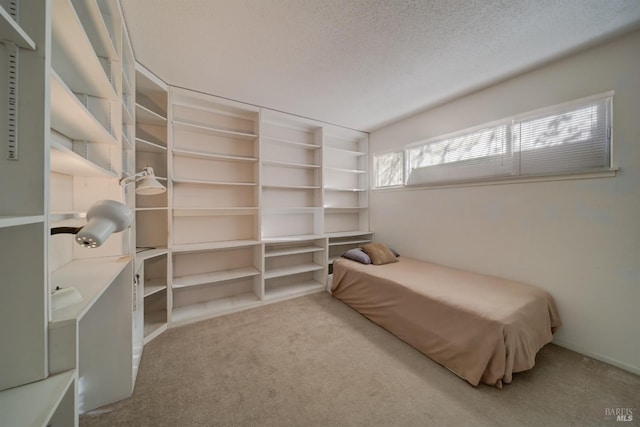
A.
x: 214, y: 281
x: 294, y: 268
x: 151, y: 273
x: 341, y: 242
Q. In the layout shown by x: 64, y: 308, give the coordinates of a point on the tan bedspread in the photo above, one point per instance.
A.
x: 480, y: 327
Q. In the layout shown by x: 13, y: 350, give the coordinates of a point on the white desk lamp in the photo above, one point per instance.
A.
x: 147, y: 183
x: 104, y: 217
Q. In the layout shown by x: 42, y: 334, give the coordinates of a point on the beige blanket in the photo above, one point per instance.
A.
x: 480, y: 327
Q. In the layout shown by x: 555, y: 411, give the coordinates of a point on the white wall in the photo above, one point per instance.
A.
x: 578, y: 239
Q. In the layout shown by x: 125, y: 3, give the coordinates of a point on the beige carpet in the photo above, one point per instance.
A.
x: 313, y: 361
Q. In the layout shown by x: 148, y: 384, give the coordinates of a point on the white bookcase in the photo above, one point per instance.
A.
x: 214, y: 191
x: 152, y: 211
x: 214, y: 281
x: 294, y: 268
x: 267, y: 189
x: 70, y: 153
x: 258, y: 203
x: 151, y: 113
x: 346, y: 182
x: 91, y: 148
x: 152, y: 293
x: 291, y: 177
x: 23, y: 211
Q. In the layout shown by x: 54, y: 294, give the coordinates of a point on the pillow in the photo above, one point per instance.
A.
x: 379, y: 253
x: 357, y: 255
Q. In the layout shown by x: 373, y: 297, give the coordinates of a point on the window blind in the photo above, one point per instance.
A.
x: 569, y: 138
x: 480, y: 153
x: 573, y: 139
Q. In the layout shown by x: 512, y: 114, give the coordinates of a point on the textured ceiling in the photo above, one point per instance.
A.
x: 360, y: 63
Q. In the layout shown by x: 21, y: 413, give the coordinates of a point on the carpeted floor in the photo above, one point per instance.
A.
x: 313, y: 361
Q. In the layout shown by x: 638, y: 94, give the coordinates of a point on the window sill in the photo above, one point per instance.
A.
x: 605, y: 173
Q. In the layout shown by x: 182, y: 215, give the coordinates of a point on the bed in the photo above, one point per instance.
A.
x: 482, y: 328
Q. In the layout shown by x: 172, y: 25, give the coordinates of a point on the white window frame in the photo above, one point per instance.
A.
x: 457, y: 173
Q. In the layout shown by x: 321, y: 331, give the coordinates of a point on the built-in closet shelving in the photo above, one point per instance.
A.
x: 294, y: 268
x: 89, y: 152
x: 152, y: 291
x: 346, y: 190
x: 291, y: 156
x: 346, y: 182
x: 23, y: 211
x: 258, y: 205
x: 83, y: 88
x: 69, y: 80
x: 152, y: 211
x: 215, y: 221
x: 265, y: 188
x: 292, y: 220
x: 215, y: 281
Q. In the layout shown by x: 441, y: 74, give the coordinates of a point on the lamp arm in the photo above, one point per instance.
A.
x: 132, y: 178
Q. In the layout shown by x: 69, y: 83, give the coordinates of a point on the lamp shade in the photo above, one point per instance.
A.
x: 103, y: 218
x: 147, y: 182
x: 149, y: 185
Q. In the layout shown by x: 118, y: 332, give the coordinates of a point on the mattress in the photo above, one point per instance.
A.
x: 482, y: 328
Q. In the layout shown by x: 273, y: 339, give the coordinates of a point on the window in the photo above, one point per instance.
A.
x: 389, y: 169
x: 572, y: 137
x: 479, y: 153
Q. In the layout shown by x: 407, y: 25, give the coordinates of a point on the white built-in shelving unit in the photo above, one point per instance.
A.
x: 94, y: 335
x: 215, y: 221
x: 291, y: 157
x: 89, y: 152
x: 28, y: 394
x: 293, y: 268
x: 267, y: 189
x: 214, y: 281
x: 259, y: 203
x: 151, y: 274
x: 69, y: 130
x: 346, y: 192
x: 152, y: 211
x: 346, y: 182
